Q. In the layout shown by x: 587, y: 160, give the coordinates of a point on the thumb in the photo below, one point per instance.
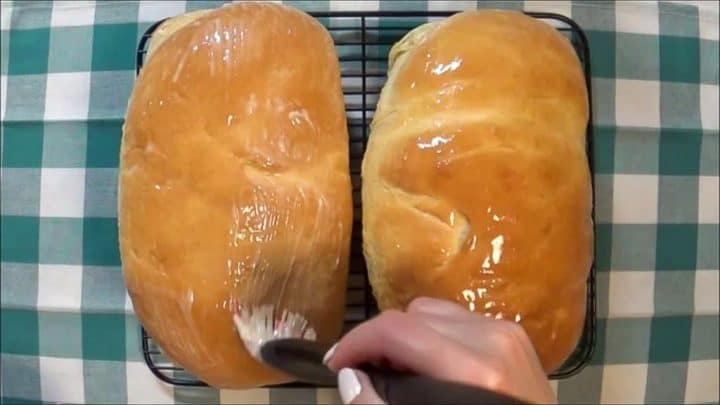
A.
x: 355, y: 388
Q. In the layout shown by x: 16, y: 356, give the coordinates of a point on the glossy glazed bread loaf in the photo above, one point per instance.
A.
x: 234, y: 185
x: 476, y: 185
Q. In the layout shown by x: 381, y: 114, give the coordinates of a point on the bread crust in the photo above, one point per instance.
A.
x: 476, y: 184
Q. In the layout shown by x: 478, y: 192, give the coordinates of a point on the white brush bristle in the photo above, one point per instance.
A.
x: 259, y: 325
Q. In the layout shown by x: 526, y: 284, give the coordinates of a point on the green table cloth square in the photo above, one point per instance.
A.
x: 68, y: 330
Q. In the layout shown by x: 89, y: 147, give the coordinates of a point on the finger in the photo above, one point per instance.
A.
x: 355, y: 388
x: 444, y: 317
x: 459, y: 330
x: 406, y: 342
x: 454, y: 321
x: 494, y: 338
x: 434, y: 306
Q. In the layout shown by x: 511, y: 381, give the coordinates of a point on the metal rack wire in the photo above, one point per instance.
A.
x: 362, y: 41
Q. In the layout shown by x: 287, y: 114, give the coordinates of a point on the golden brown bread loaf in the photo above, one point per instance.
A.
x: 476, y: 185
x: 234, y: 185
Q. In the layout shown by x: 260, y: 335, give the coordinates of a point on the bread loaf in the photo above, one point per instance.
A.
x: 234, y: 185
x: 476, y: 184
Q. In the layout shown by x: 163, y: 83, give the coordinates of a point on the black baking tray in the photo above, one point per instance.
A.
x: 362, y: 40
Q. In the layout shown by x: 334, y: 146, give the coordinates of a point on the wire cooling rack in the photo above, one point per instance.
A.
x: 362, y: 41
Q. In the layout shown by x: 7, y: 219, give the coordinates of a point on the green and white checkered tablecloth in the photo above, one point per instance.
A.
x: 68, y: 331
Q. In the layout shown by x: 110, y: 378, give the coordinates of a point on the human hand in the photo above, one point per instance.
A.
x: 442, y: 340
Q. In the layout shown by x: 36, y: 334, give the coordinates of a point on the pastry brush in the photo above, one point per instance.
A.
x: 288, y: 343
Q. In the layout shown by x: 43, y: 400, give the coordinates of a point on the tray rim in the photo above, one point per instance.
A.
x: 588, y: 339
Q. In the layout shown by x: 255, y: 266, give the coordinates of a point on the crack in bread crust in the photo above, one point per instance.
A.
x: 428, y: 207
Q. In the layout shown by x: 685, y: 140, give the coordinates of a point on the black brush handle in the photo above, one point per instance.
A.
x: 303, y: 359
x: 400, y: 389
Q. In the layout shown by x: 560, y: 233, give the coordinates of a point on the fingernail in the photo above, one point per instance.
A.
x: 348, y: 385
x: 329, y: 354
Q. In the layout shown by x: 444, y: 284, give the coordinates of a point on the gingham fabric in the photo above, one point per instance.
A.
x: 68, y: 331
